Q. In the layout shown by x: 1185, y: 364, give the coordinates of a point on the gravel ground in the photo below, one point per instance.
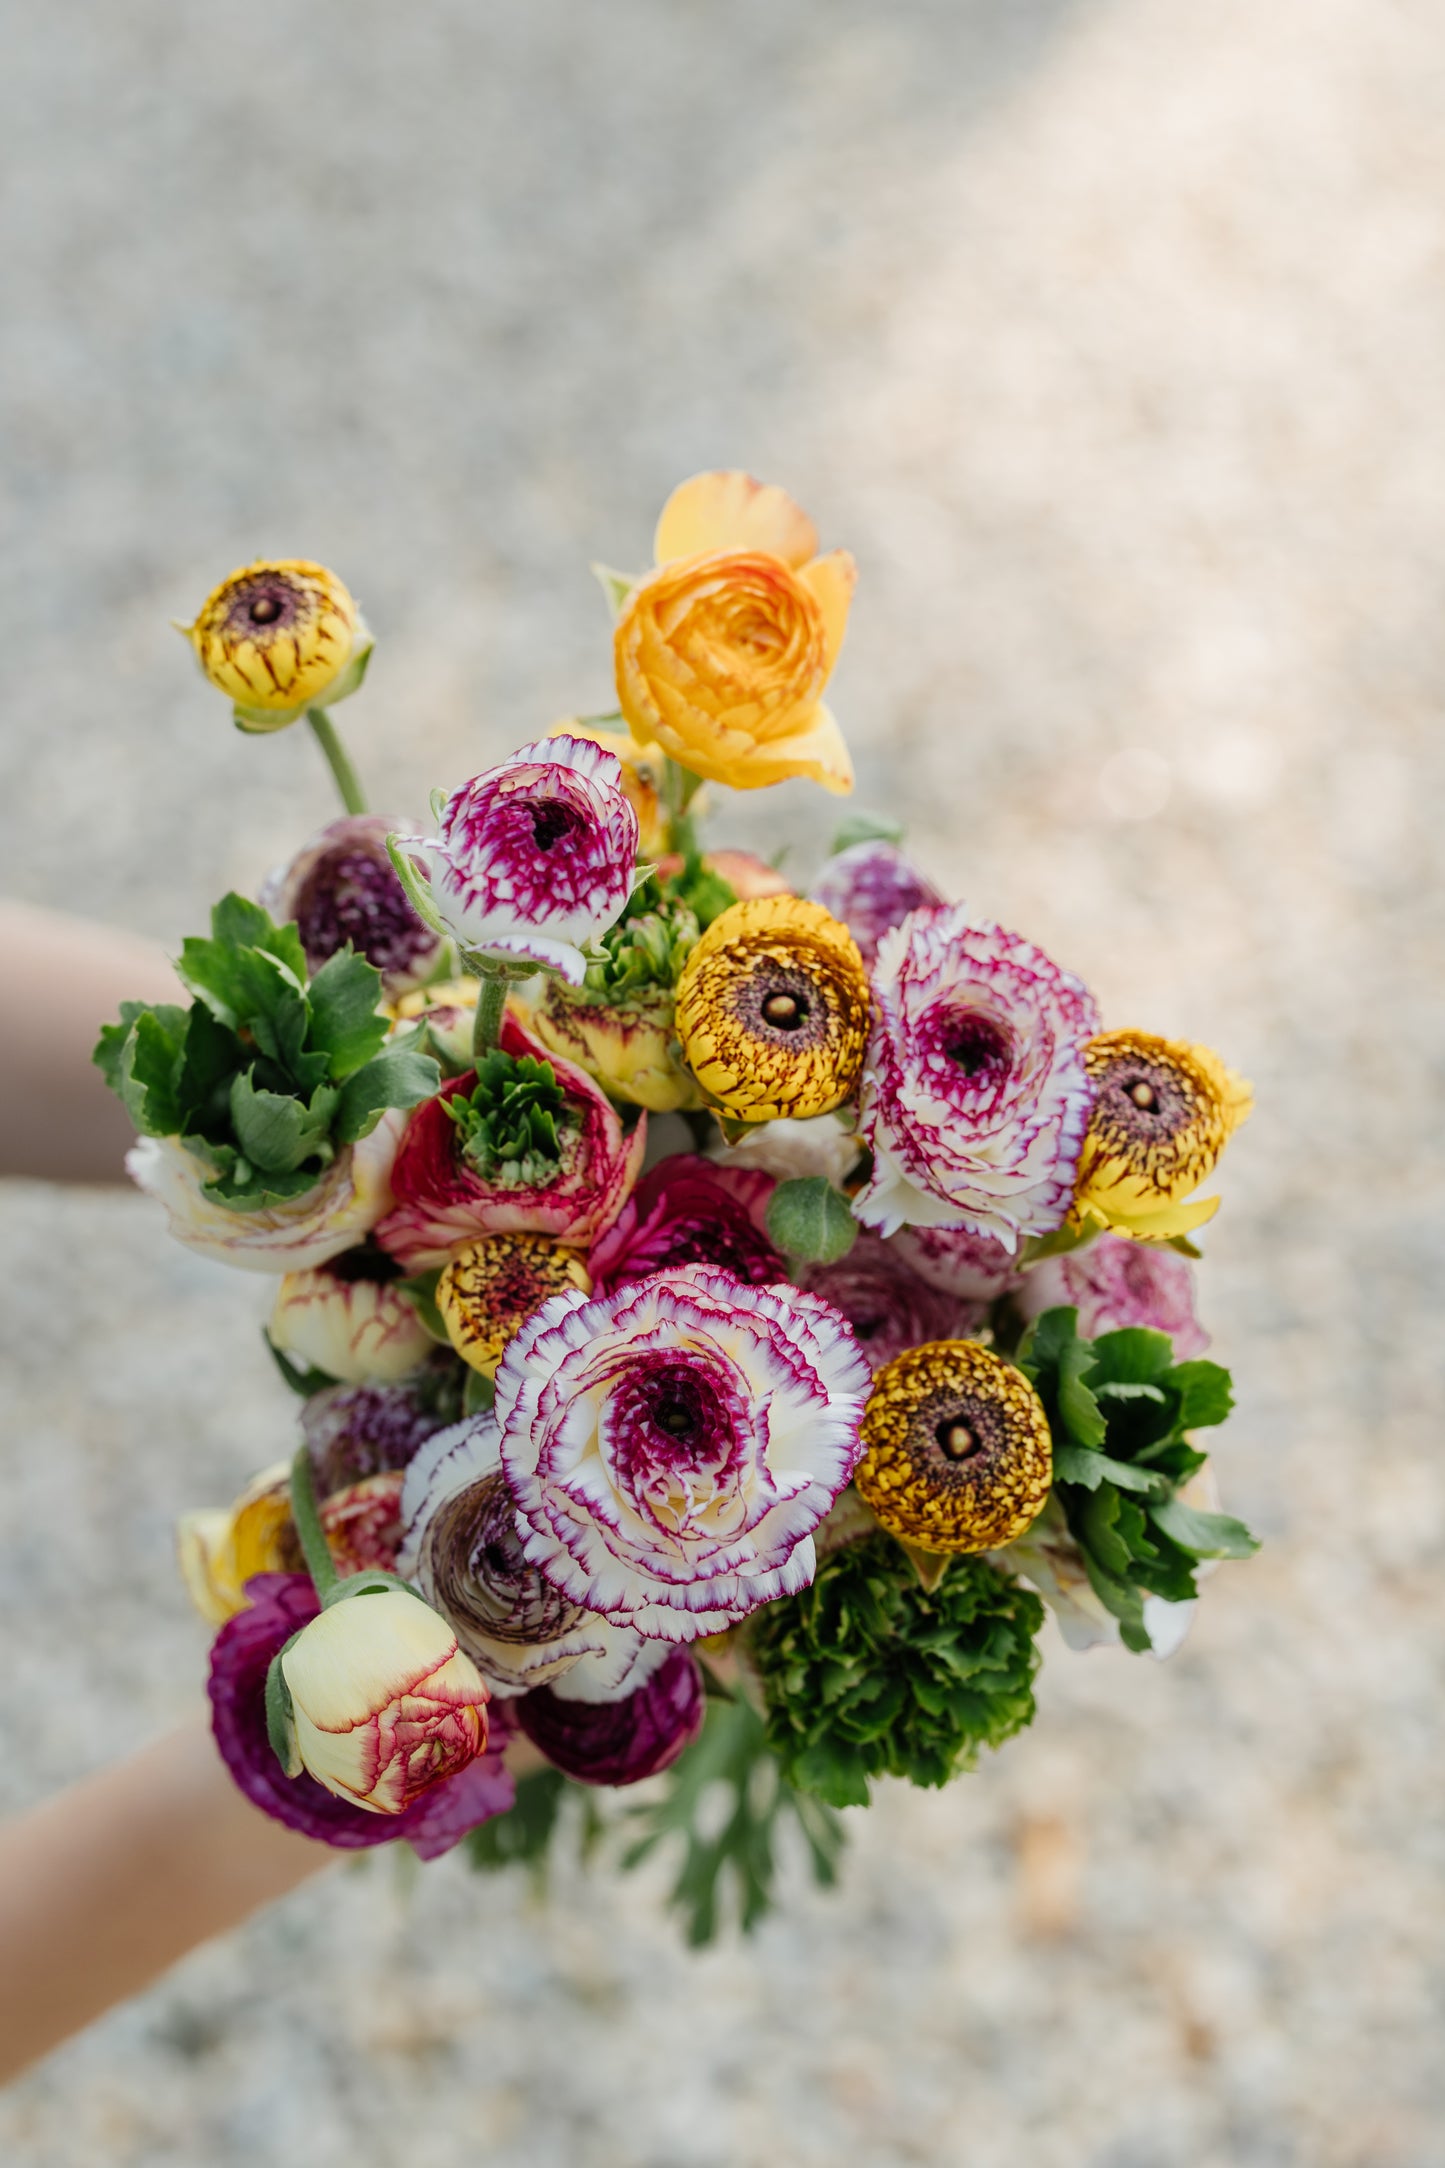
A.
x: 1111, y: 337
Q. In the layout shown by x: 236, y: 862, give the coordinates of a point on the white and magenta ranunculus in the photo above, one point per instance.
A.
x: 342, y: 886
x: 1114, y: 1283
x: 535, y: 857
x: 384, y: 1703
x: 444, y: 1198
x: 872, y: 888
x: 975, y: 1099
x: 688, y: 1211
x: 888, y: 1306
x: 671, y: 1447
x: 464, y: 1550
x: 305, y: 1231
x: 349, y: 1318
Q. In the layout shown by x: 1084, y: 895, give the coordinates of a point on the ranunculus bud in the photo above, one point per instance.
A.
x: 342, y: 886
x: 629, y: 1046
x: 279, y: 637
x: 872, y: 888
x: 349, y: 1318
x: 384, y: 1704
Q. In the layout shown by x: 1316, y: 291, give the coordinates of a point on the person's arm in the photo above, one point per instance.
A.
x: 60, y: 980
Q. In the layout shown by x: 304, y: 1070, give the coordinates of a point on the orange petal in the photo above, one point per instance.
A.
x: 817, y: 752
x: 728, y: 510
x: 831, y: 581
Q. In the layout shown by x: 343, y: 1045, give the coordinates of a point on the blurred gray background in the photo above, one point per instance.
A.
x: 1110, y: 335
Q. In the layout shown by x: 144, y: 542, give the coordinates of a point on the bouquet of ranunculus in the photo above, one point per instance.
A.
x: 724, y: 1318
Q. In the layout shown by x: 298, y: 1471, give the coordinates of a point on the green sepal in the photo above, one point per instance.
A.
x: 421, y: 1292
x: 616, y: 586
x: 479, y: 1394
x: 351, y: 1587
x: 303, y: 1382
x: 810, y: 1220
x: 866, y: 828
x: 281, y: 1714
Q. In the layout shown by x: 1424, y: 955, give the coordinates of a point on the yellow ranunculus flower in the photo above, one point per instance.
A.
x: 957, y: 1454
x: 221, y: 1547
x: 641, y: 777
x: 723, y: 653
x: 279, y: 637
x: 773, y: 1009
x: 1163, y: 1113
x: 492, y: 1286
x: 629, y: 1046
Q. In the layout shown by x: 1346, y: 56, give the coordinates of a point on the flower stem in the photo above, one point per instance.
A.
x: 491, y: 1004
x: 679, y: 788
x: 353, y: 797
x: 306, y: 1514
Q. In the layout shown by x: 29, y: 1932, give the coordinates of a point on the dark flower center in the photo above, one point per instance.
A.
x: 785, y: 1012
x: 365, y: 1262
x: 1143, y: 1094
x: 675, y: 1418
x: 974, y: 1045
x: 265, y: 610
x: 554, y: 823
x: 956, y: 1438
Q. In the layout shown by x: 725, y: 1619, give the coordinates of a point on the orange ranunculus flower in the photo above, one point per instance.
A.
x: 723, y: 652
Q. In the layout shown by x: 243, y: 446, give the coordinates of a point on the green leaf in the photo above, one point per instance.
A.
x: 108, y: 1047
x: 1134, y: 1356
x: 522, y: 1837
x: 811, y: 1220
x: 345, y: 1025
x: 1089, y: 1468
x: 213, y: 1055
x: 398, y: 1078
x: 616, y: 586
x: 304, y: 1381
x: 248, y: 965
x: 866, y: 828
x: 277, y: 1134
x: 1203, y: 1535
x: 1078, y: 1408
x: 150, y: 1065
x: 479, y: 1394
x: 1206, y: 1391
x: 421, y: 1293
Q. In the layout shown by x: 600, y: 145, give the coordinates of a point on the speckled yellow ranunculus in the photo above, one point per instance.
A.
x: 957, y: 1454
x: 278, y: 637
x: 773, y: 1009
x: 492, y: 1286
x: 723, y: 653
x: 1163, y: 1112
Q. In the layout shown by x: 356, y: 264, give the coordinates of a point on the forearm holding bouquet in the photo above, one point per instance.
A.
x: 757, y: 1461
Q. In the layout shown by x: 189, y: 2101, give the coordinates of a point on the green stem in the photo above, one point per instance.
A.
x: 304, y: 1511
x: 679, y: 787
x: 491, y: 1002
x: 353, y: 797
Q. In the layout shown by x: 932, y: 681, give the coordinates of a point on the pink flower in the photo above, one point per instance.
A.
x: 443, y: 1201
x: 689, y: 1212
x: 975, y: 1100
x: 535, y: 857
x: 340, y: 887
x: 888, y: 1306
x: 672, y: 1446
x: 617, y: 1742
x: 956, y: 1261
x: 872, y: 888
x: 1113, y: 1283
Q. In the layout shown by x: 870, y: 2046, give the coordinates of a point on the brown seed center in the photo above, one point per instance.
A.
x: 957, y: 1439
x: 1144, y: 1095
x: 265, y: 610
x: 785, y: 1012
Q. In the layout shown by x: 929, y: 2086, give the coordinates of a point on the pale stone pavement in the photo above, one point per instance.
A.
x: 1111, y: 337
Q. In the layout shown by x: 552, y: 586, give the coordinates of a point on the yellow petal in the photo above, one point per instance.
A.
x: 1160, y: 1224
x: 817, y: 752
x: 356, y: 1657
x: 831, y: 581
x: 728, y: 510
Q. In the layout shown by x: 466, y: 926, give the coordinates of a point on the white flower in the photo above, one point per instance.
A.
x: 822, y: 1144
x: 355, y: 1326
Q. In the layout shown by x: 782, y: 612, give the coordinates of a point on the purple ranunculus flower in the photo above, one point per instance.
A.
x: 342, y: 886
x: 872, y: 888
x: 280, y: 1605
x: 888, y: 1306
x: 975, y: 1100
x: 688, y: 1211
x: 672, y: 1446
x: 356, y: 1431
x: 535, y: 857
x: 1113, y: 1283
x: 955, y: 1260
x: 617, y: 1742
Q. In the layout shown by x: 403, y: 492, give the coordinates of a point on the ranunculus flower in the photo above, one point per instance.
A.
x: 464, y: 1550
x: 1113, y: 1283
x: 281, y: 1604
x: 351, y: 1196
x: 957, y: 1455
x: 630, y: 1047
x: 535, y: 858
x: 342, y: 886
x: 773, y: 1010
x: 222, y: 1548
x: 872, y: 888
x: 957, y: 1261
x: 355, y: 1431
x: 722, y: 654
x: 492, y: 1285
x: 974, y: 1100
x: 349, y: 1318
x: 888, y: 1306
x: 672, y: 1447
x: 1163, y: 1112
x: 617, y: 1742
x: 642, y: 771
x: 384, y: 1703
x: 688, y: 1211
x: 448, y: 1010
x: 279, y: 637
x: 824, y: 1144
x: 442, y: 1200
